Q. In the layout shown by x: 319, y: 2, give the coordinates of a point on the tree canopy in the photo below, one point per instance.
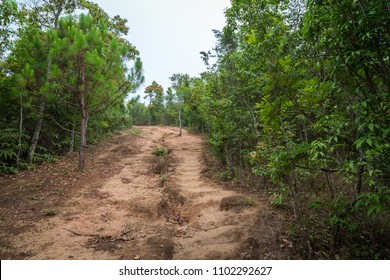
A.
x: 63, y: 73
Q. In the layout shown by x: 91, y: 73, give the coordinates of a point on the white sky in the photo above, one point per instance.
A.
x: 169, y: 34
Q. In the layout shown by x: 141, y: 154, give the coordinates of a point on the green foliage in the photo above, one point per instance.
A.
x: 55, y: 60
x: 9, y: 13
x: 277, y: 199
x: 247, y: 201
x: 61, y: 191
x: 225, y: 175
x: 138, y: 111
x: 164, y: 178
x: 50, y: 212
x: 155, y: 93
x: 316, y: 203
x: 161, y: 151
x: 43, y: 155
x: 13, y: 145
x: 373, y: 203
x: 135, y: 131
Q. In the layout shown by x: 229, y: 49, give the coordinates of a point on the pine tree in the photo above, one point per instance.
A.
x: 94, y: 70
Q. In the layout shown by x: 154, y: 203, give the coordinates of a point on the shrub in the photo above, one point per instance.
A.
x: 161, y: 151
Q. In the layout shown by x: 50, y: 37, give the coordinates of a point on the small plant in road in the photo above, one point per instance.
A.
x: 161, y: 151
x: 135, y: 131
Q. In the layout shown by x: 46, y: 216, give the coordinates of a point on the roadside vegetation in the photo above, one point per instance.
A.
x: 294, y: 103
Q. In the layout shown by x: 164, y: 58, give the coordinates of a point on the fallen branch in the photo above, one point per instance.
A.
x: 81, y: 234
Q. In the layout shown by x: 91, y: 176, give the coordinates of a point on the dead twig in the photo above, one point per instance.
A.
x: 81, y: 234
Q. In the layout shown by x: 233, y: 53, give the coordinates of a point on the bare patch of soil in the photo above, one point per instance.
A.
x: 131, y: 204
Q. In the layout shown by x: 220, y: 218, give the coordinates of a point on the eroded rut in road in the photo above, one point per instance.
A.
x: 210, y: 233
x: 147, y: 211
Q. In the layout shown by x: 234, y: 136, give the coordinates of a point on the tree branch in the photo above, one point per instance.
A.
x: 102, y: 106
x: 57, y: 123
x: 318, y: 169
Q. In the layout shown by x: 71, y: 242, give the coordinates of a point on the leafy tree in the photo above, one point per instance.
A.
x: 139, y: 112
x: 300, y: 92
x: 170, y: 107
x: 155, y: 94
x: 180, y: 82
x: 9, y: 12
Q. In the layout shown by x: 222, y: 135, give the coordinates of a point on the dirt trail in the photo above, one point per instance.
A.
x: 147, y: 208
x: 215, y: 234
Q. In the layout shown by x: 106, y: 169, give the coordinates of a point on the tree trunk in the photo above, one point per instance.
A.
x: 180, y: 122
x: 150, y: 111
x: 42, y: 101
x: 38, y: 128
x: 83, y: 143
x: 72, y: 136
x: 84, y: 115
x: 20, y: 130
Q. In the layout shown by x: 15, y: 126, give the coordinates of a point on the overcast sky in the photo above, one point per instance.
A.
x: 169, y: 34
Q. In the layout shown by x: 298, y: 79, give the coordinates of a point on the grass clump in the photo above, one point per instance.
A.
x: 161, y: 151
x: 164, y: 178
x: 50, y: 212
x: 135, y: 132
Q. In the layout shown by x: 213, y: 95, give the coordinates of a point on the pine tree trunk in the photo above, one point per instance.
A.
x: 37, y: 130
x: 150, y: 111
x: 83, y: 143
x: 42, y: 102
x: 20, y: 130
x: 83, y: 107
x: 180, y: 123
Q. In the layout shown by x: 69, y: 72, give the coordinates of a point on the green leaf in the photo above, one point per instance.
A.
x: 375, y: 207
x: 359, y: 142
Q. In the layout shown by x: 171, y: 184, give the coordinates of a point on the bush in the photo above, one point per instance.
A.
x: 161, y: 151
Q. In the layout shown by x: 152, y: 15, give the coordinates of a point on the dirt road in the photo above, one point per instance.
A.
x: 132, y: 204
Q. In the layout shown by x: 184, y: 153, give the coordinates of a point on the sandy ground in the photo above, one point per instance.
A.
x: 132, y: 204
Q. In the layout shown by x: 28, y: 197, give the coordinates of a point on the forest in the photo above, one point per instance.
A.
x: 294, y: 104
